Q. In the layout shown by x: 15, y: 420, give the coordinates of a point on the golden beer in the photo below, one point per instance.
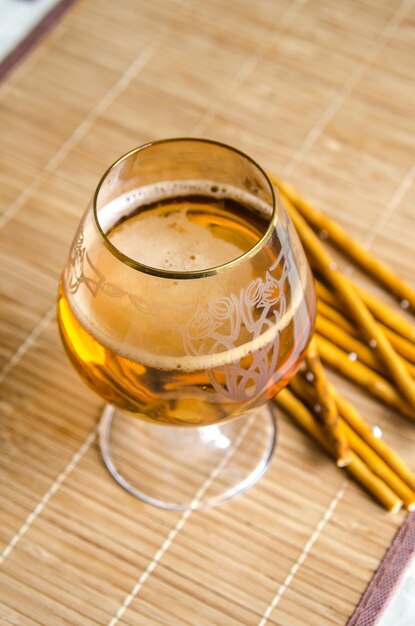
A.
x: 175, y: 349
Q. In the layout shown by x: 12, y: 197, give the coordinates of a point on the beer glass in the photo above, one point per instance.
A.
x: 186, y: 303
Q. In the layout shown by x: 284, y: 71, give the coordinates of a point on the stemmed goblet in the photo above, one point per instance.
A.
x: 186, y: 303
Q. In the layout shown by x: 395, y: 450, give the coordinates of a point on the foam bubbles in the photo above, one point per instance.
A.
x: 173, y: 242
x: 120, y: 208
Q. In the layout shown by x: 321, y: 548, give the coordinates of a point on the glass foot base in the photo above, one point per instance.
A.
x: 186, y: 467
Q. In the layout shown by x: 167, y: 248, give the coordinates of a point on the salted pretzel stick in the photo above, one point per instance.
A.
x: 328, y: 408
x: 350, y: 414
x: 296, y: 409
x: 387, y: 315
x: 353, y: 346
x: 335, y: 316
x: 360, y: 255
x: 379, y: 467
x: 361, y: 447
x: 356, y: 307
x: 405, y: 347
x: 362, y: 375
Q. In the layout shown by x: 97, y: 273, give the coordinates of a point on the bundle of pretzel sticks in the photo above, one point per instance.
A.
x: 367, y: 342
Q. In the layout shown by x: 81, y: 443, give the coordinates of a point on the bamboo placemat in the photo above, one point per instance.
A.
x: 321, y: 93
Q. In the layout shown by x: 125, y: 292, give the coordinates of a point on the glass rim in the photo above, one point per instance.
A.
x: 184, y: 274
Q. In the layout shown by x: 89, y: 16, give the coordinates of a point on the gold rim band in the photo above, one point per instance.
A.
x: 181, y: 275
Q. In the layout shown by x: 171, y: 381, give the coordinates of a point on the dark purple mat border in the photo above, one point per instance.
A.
x: 46, y: 24
x: 380, y: 589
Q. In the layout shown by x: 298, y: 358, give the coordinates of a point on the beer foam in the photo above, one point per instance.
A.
x: 149, y: 253
x: 173, y: 242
